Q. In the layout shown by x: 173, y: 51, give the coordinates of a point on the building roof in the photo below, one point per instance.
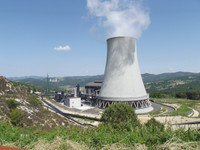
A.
x: 94, y: 84
x: 8, y: 148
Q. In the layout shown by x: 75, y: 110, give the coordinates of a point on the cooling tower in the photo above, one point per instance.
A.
x: 122, y: 78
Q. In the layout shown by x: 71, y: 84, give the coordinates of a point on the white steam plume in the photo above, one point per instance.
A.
x: 120, y: 17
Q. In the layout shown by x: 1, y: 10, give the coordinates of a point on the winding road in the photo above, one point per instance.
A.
x: 158, y: 106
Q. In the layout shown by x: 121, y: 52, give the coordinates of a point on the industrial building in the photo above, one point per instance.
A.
x: 122, y: 79
x: 73, y: 102
x: 59, y: 96
x: 92, y: 89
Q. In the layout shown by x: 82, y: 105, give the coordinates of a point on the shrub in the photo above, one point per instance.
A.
x: 12, y: 104
x: 154, y: 125
x: 119, y: 115
x: 181, y: 95
x: 16, y: 117
x: 193, y: 95
x: 33, y: 100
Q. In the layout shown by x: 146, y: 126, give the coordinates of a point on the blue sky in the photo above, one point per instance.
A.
x: 30, y: 30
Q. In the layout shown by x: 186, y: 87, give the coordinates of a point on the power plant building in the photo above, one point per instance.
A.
x: 93, y: 88
x: 73, y: 102
x: 122, y: 79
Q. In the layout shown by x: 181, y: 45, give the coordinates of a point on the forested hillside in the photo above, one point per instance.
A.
x: 167, y: 83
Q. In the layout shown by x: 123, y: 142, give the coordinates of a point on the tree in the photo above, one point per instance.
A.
x: 181, y: 95
x: 156, y: 95
x: 16, y: 117
x: 12, y: 104
x: 119, y: 115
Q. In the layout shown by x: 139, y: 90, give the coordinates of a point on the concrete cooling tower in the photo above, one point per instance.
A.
x: 122, y: 78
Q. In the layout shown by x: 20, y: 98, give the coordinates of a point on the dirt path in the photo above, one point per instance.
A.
x: 194, y: 114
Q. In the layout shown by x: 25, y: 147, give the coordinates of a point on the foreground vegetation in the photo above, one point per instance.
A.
x: 126, y: 133
x: 150, y: 135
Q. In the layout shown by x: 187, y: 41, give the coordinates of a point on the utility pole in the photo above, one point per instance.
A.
x: 47, y: 84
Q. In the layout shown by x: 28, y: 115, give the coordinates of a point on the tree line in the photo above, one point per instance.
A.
x: 192, y: 95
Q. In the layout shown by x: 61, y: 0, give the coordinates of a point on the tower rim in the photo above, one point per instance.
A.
x: 128, y: 37
x: 123, y: 99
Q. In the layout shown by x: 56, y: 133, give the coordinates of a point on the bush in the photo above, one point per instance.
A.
x: 16, y: 117
x: 193, y: 95
x: 120, y: 116
x: 156, y: 133
x: 33, y: 100
x: 154, y: 125
x: 181, y: 95
x: 12, y: 104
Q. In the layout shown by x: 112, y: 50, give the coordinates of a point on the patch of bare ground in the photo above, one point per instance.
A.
x: 175, y: 106
x: 177, y: 144
x: 175, y: 119
x: 144, y: 118
x: 58, y: 143
x: 168, y: 120
x: 197, y: 108
x: 119, y: 146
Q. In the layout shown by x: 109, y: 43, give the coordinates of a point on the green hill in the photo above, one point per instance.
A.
x: 174, y: 82
x: 165, y: 82
x: 165, y: 76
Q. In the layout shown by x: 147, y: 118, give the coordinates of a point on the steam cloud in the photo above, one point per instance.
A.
x: 120, y: 17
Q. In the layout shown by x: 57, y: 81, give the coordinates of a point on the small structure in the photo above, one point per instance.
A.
x: 73, y: 102
x: 93, y: 89
x: 78, y: 91
x: 53, y: 80
x: 59, y: 96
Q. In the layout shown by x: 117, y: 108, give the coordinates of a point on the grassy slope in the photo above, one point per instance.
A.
x: 34, y: 114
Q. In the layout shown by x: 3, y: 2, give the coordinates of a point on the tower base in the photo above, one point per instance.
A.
x: 140, y: 104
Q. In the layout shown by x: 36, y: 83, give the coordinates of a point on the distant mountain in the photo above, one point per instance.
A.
x: 24, y: 77
x: 165, y: 81
x: 34, y: 81
x: 62, y: 81
x: 165, y: 76
x: 173, y: 82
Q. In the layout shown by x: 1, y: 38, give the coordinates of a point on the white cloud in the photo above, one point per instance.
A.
x: 62, y: 48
